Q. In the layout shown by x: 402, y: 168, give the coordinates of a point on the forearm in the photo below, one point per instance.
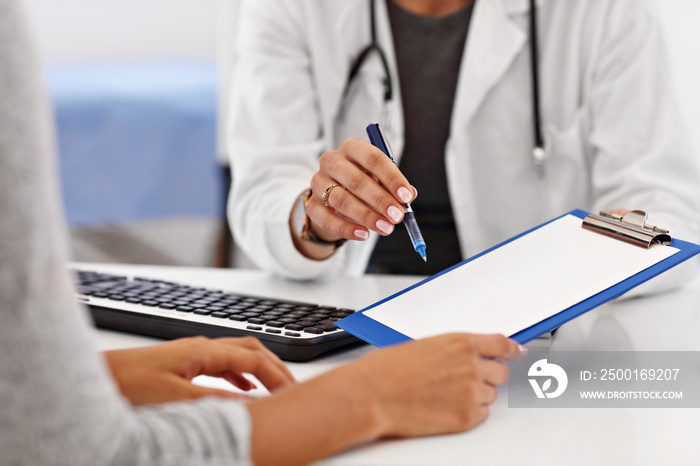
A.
x: 315, y: 419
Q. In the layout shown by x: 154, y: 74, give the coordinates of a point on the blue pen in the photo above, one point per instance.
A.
x: 376, y: 137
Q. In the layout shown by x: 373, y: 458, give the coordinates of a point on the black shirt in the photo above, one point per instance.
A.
x: 428, y: 54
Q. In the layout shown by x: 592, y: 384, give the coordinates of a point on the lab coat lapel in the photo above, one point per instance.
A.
x: 494, y: 41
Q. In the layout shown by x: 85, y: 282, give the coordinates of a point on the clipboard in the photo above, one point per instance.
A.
x: 630, y: 231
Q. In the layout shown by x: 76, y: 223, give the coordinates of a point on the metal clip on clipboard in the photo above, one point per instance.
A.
x: 630, y: 228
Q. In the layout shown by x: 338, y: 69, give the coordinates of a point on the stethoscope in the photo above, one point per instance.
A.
x: 538, y: 153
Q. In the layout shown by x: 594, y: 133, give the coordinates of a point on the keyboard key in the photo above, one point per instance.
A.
x: 150, y: 303
x: 202, y: 302
x: 270, y: 316
x: 326, y: 308
x: 221, y: 315
x: 303, y: 308
x: 275, y: 324
x: 239, y: 306
x: 202, y: 312
x: 258, y: 309
x: 167, y: 306
x: 133, y: 300
x: 238, y: 318
x: 225, y: 303
x: 315, y: 330
x: 253, y: 327
x: 311, y: 320
x: 184, y: 308
x: 103, y: 286
x: 294, y: 327
x: 327, y: 328
x: 216, y: 309
x: 292, y: 334
x: 117, y: 297
x: 330, y: 321
x: 273, y: 330
x: 256, y: 320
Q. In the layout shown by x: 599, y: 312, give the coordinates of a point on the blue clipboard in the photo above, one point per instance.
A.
x: 381, y: 335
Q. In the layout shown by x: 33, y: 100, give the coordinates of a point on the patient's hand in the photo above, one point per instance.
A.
x: 163, y: 373
x: 433, y: 386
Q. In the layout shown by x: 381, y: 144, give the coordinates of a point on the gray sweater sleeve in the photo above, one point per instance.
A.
x: 58, y: 404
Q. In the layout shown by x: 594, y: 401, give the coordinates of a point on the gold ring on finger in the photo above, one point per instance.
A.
x: 326, y: 194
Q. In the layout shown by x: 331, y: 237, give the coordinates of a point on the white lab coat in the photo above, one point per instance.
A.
x: 613, y: 132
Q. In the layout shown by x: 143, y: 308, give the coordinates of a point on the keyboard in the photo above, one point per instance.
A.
x: 295, y: 331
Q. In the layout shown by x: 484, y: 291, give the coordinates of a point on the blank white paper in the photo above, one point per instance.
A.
x: 519, y: 284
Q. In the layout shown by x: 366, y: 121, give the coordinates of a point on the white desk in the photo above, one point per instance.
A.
x: 509, y: 436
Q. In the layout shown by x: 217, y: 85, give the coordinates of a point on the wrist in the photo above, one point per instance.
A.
x: 370, y: 395
x: 307, y: 232
x: 326, y: 414
x: 306, y: 240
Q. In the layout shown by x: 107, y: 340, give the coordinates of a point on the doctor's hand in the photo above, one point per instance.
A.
x: 369, y: 193
x: 619, y: 212
x: 164, y: 373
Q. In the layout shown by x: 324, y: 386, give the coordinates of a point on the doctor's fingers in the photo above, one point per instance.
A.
x: 330, y: 226
x: 365, y: 188
x: 347, y: 205
x: 370, y: 160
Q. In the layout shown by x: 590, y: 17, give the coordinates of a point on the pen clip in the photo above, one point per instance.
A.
x: 378, y: 140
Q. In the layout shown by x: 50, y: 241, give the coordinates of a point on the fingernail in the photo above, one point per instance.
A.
x: 384, y: 226
x: 522, y: 349
x: 361, y: 234
x: 395, y: 213
x: 404, y: 194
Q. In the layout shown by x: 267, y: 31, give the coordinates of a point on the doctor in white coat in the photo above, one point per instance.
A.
x: 611, y: 132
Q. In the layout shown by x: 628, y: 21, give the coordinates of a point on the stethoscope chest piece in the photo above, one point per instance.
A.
x: 539, y: 155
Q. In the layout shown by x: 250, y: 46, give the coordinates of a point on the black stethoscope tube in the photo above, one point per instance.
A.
x: 362, y: 56
x: 538, y: 153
